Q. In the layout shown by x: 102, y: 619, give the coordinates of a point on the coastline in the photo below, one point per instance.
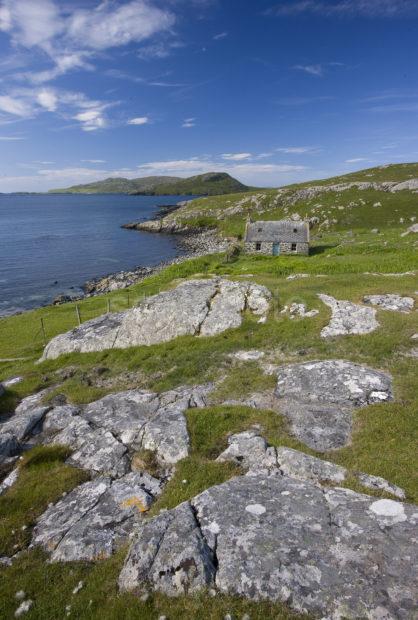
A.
x: 193, y: 244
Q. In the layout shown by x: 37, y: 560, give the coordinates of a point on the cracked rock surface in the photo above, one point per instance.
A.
x: 330, y: 552
x: 395, y: 303
x: 89, y: 522
x: 25, y: 421
x: 348, y: 318
x: 195, y: 307
x: 251, y: 451
x: 318, y: 398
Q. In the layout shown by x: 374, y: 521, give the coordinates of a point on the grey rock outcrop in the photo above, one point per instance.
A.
x: 252, y: 452
x: 395, y: 303
x: 22, y: 424
x: 104, y: 432
x: 171, y: 554
x: 93, y: 519
x: 318, y: 398
x: 329, y: 552
x: 348, y: 318
x: 195, y: 307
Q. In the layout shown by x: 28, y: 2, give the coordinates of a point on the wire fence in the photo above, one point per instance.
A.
x: 30, y: 331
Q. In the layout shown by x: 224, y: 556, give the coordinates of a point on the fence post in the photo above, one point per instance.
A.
x: 43, y: 330
x: 77, y: 311
x: 108, y: 305
x: 128, y: 298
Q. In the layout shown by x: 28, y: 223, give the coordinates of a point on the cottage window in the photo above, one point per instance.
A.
x: 258, y: 246
x: 293, y: 247
x: 260, y: 230
x: 295, y: 230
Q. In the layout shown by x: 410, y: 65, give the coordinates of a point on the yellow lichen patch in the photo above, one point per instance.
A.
x: 136, y: 502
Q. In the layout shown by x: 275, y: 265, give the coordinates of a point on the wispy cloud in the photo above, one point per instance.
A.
x: 11, y: 138
x: 188, y: 123
x: 317, y: 70
x: 25, y: 103
x: 297, y: 150
x: 139, y: 120
x: 219, y: 36
x: 346, y: 8
x: 300, y: 101
x: 356, y: 160
x: 92, y: 161
x: 236, y: 156
x: 72, y: 37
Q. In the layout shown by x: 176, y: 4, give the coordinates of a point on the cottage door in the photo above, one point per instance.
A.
x: 276, y: 249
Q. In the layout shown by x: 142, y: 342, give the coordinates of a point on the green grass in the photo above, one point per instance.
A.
x: 43, y: 479
x: 51, y: 586
x: 384, y: 435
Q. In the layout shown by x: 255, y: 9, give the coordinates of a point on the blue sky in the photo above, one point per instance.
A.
x: 270, y: 91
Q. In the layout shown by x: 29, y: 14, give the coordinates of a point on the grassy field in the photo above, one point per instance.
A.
x: 345, y: 262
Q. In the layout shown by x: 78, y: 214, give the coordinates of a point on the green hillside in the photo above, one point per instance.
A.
x: 331, y: 204
x: 209, y: 184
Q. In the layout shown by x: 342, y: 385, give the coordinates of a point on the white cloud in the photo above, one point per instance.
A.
x: 356, y: 160
x: 347, y: 8
x: 236, y: 156
x: 47, y: 99
x: 316, y: 70
x: 91, y: 120
x: 108, y: 27
x: 93, y: 161
x: 73, y: 35
x: 188, y: 123
x: 15, y: 106
x: 297, y: 150
x: 139, y: 120
x: 11, y: 138
x: 220, y: 35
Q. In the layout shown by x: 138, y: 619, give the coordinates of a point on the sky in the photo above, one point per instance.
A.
x: 272, y: 92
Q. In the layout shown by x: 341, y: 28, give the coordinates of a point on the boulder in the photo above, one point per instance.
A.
x: 391, y: 302
x: 331, y: 552
x: 318, y: 398
x: 348, y: 318
x: 195, y: 307
x: 95, y: 518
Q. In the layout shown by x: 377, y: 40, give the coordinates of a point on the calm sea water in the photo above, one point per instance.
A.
x: 49, y: 244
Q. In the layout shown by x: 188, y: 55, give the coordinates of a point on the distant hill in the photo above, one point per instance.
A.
x: 209, y: 184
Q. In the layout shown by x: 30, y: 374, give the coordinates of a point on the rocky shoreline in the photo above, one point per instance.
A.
x: 194, y: 245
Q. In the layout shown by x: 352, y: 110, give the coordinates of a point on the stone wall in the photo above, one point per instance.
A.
x: 285, y: 248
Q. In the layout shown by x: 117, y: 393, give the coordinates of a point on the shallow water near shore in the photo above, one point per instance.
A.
x: 53, y: 244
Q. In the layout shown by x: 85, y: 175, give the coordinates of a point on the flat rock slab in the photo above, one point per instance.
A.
x: 396, y: 303
x: 348, y: 318
x: 332, y: 553
x: 195, y: 307
x: 93, y: 519
x: 318, y: 398
x: 252, y: 452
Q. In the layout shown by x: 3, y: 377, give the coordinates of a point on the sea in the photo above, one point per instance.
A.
x: 52, y: 244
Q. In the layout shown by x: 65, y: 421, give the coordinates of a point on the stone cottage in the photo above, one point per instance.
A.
x: 279, y: 237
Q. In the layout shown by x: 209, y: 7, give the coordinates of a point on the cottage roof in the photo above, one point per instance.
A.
x: 281, y: 230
